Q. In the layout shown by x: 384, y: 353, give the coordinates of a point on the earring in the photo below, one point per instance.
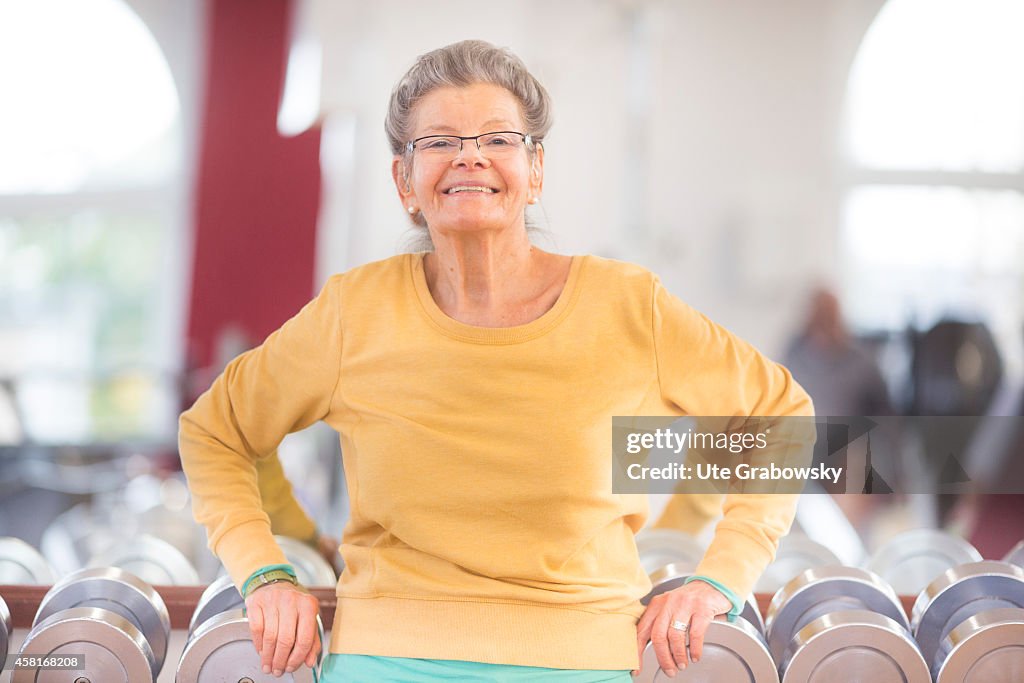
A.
x: 412, y: 209
x: 533, y: 200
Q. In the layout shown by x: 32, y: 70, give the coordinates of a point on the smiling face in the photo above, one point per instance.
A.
x: 470, y: 192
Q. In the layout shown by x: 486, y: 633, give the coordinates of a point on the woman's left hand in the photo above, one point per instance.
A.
x: 696, y: 604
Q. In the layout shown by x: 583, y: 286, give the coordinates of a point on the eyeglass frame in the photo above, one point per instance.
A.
x: 527, y: 140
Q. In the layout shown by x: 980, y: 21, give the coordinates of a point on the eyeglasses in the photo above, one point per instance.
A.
x: 498, y: 145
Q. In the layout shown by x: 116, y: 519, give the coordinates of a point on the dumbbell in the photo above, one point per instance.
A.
x: 115, y: 619
x: 672, y: 576
x: 970, y: 625
x: 734, y: 651
x: 841, y: 623
x: 1016, y: 555
x: 660, y: 547
x: 911, y: 560
x: 153, y: 560
x: 220, y: 648
x: 796, y: 553
x: 5, y: 631
x: 985, y: 648
x: 220, y: 596
x: 21, y: 564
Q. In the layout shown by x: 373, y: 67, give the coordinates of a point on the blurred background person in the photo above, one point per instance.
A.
x: 838, y: 372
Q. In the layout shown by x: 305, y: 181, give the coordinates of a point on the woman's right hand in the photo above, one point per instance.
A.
x: 282, y: 620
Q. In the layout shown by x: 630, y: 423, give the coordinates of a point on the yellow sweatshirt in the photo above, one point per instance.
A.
x: 483, y: 525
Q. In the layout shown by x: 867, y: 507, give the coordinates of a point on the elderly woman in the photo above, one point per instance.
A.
x: 473, y: 387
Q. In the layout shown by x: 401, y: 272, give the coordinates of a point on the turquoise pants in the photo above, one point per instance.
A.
x: 369, y: 669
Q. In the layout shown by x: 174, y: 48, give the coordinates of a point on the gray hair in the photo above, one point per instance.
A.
x: 459, y: 65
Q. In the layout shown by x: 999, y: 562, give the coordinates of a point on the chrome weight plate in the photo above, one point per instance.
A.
x: 153, y: 560
x: 911, y: 560
x: 311, y: 569
x: 221, y: 650
x: 826, y: 590
x: 960, y: 593
x: 5, y: 631
x: 659, y: 547
x: 796, y: 554
x: 733, y: 652
x: 219, y: 596
x: 673, y: 576
x: 115, y: 650
x: 21, y: 564
x: 117, y: 591
x: 986, y: 648
x: 853, y: 645
x: 1016, y: 555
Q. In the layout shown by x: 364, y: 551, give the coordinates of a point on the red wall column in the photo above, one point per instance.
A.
x: 258, y: 193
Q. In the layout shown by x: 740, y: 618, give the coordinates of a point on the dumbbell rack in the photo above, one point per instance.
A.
x: 181, y: 601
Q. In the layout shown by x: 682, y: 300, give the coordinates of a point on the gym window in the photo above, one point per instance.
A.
x: 933, y: 213
x: 92, y: 189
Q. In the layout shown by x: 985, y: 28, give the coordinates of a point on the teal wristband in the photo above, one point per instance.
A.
x: 737, y: 604
x: 286, y: 568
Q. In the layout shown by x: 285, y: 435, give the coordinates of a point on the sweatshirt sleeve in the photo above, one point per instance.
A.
x: 283, y: 385
x: 287, y: 516
x: 705, y: 370
x: 690, y: 512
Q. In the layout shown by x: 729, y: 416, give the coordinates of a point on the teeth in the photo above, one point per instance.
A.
x: 469, y: 188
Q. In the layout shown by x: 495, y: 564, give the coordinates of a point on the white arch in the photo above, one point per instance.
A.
x: 937, y: 84
x: 92, y: 102
x: 933, y: 219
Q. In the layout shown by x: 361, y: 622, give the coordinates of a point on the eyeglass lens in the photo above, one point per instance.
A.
x: 491, y: 145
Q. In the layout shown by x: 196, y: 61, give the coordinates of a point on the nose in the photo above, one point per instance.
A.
x: 470, y: 155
